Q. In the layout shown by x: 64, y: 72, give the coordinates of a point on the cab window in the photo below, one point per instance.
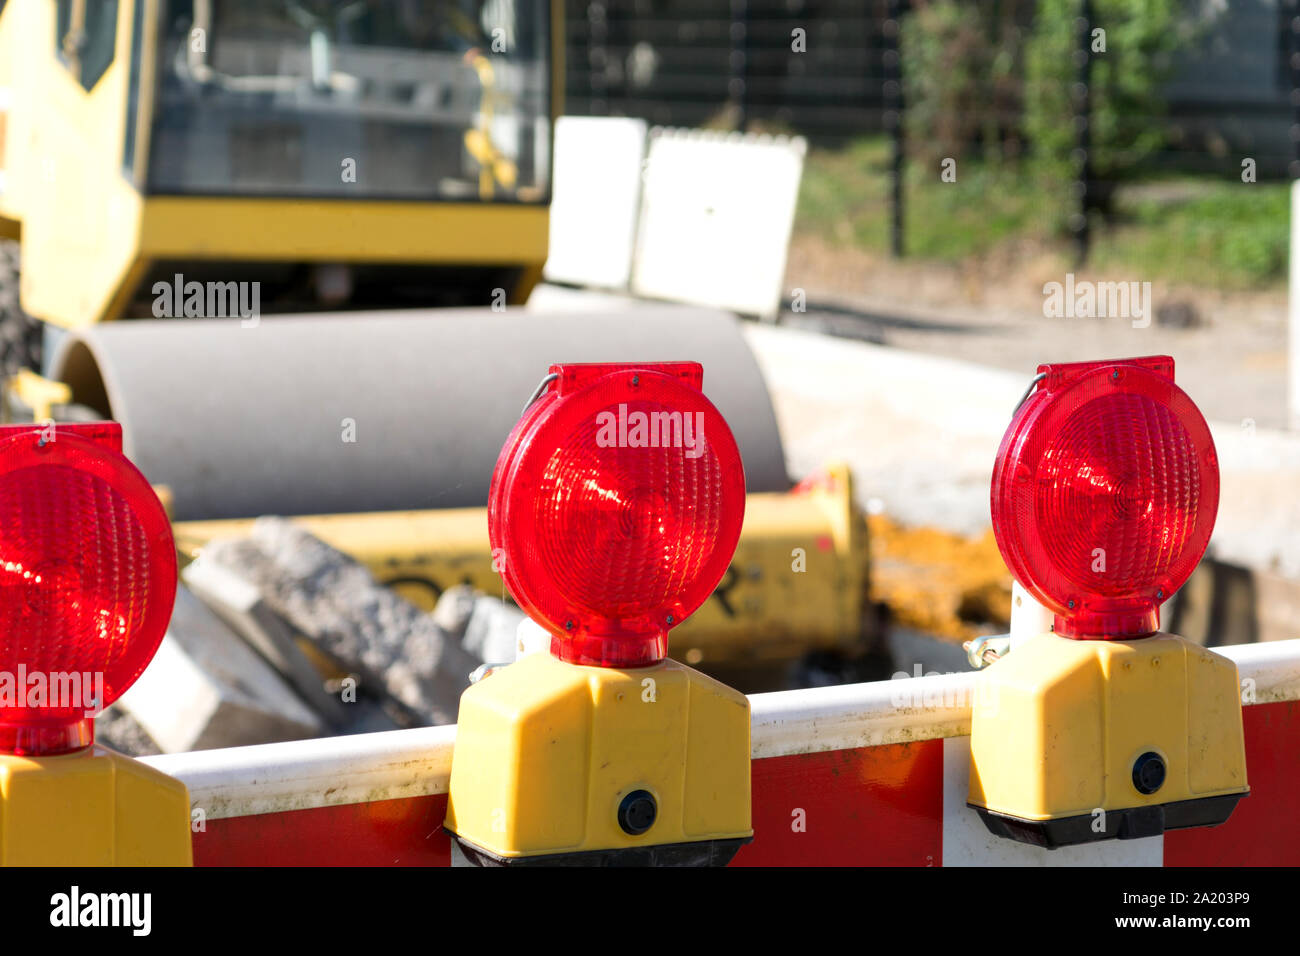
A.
x: 85, y: 35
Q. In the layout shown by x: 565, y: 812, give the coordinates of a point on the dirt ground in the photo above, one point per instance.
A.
x: 1229, y: 348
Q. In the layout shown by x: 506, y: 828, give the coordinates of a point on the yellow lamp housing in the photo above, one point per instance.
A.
x: 1074, y: 741
x: 89, y: 585
x: 1104, y: 495
x: 92, y: 807
x: 616, y: 506
x: 558, y: 763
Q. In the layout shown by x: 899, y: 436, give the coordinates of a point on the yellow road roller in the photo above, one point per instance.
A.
x: 282, y: 242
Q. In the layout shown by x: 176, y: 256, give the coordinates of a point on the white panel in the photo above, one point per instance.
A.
x: 327, y: 772
x: 967, y: 842
x: 716, y: 214
x: 597, y: 190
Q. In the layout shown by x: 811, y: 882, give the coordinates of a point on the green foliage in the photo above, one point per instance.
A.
x: 842, y: 187
x: 1125, y: 92
x: 844, y: 198
x: 1196, y: 230
x: 961, y: 79
x: 1226, y: 236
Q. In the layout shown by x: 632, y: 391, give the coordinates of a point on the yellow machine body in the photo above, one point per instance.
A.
x: 1059, y: 725
x: 94, y: 233
x: 91, y: 808
x: 797, y: 583
x: 547, y: 752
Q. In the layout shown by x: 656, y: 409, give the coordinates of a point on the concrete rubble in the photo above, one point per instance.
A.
x: 118, y: 730
x: 388, y: 645
x: 278, y: 636
x: 206, y: 688
x: 485, y: 625
x: 237, y: 602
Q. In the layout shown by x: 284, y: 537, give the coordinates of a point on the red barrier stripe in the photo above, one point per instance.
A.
x: 878, y: 806
x: 874, y: 806
x: 1264, y: 830
x: 406, y: 832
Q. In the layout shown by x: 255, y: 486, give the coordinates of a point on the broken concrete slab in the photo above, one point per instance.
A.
x: 367, y: 628
x: 242, y: 607
x: 206, y: 688
x: 454, y: 608
x: 118, y: 730
x: 485, y: 625
x: 490, y: 633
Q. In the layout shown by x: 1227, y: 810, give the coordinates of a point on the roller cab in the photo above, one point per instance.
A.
x: 190, y: 158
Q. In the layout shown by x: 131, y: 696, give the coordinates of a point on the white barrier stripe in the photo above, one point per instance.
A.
x: 1273, y: 667
x: 860, y: 715
x: 924, y: 708
x: 333, y: 771
x: 968, y: 842
x: 302, y: 774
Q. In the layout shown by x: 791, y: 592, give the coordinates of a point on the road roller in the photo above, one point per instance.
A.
x: 284, y: 243
x: 325, y: 155
x: 387, y: 454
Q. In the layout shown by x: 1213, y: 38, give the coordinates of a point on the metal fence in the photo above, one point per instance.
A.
x: 839, y: 70
x: 730, y: 62
x: 695, y: 62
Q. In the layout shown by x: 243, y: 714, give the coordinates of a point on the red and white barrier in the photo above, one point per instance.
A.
x: 860, y: 775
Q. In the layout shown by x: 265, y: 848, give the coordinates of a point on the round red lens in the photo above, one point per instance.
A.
x: 87, y: 584
x: 1104, y: 495
x: 617, y: 504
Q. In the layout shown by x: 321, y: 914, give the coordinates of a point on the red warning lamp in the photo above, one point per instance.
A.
x: 87, y: 581
x: 616, y: 505
x: 1104, y: 494
x: 617, y: 502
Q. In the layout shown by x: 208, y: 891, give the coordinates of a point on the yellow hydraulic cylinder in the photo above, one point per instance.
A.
x: 798, y: 581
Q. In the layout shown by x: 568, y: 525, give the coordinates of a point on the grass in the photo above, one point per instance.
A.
x: 1199, y: 230
x: 1227, y: 235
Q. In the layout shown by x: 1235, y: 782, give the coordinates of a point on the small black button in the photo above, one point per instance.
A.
x: 1149, y: 772
x: 637, y: 812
